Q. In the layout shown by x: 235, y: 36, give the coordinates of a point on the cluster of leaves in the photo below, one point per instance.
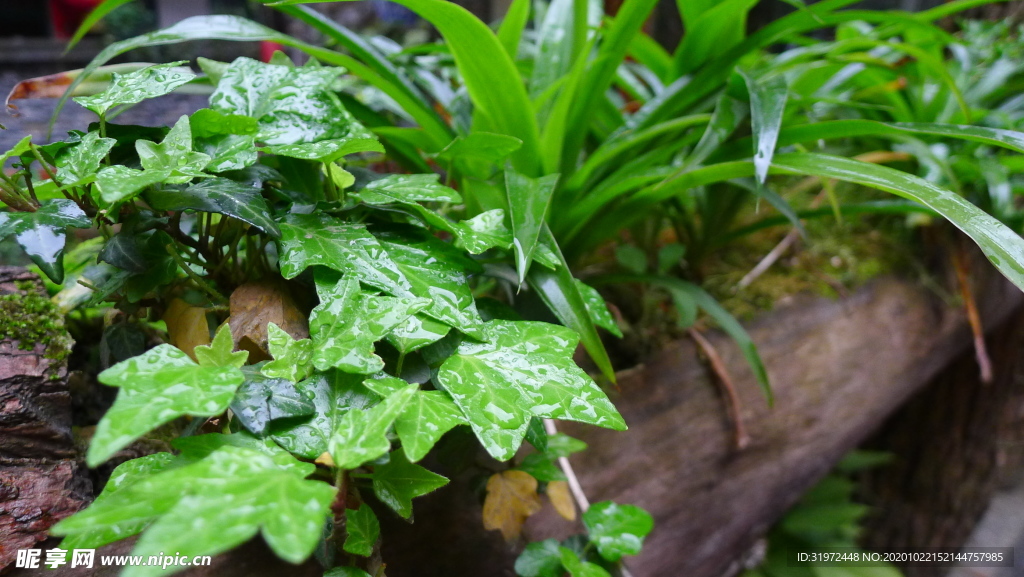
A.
x: 582, y: 127
x: 826, y: 516
x: 255, y: 193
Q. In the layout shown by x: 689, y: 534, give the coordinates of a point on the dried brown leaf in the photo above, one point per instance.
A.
x: 511, y: 498
x: 255, y: 304
x: 186, y: 326
x: 561, y: 498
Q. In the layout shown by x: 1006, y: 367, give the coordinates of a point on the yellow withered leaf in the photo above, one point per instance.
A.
x: 511, y: 498
x: 561, y: 498
x: 186, y: 326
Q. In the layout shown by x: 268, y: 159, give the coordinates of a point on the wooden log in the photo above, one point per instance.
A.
x: 41, y: 481
x: 838, y: 368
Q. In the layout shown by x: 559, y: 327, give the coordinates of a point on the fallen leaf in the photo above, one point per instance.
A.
x: 325, y: 460
x: 186, y: 326
x: 558, y: 492
x: 511, y: 498
x: 255, y: 304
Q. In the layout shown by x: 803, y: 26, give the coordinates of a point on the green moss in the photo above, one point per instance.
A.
x: 831, y: 261
x: 31, y: 319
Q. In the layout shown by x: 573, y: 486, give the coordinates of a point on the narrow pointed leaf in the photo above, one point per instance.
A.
x: 528, y: 202
x: 767, y: 105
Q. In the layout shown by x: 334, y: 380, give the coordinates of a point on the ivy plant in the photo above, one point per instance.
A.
x: 368, y: 339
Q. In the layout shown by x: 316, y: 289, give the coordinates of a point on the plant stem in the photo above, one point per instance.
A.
x: 192, y: 275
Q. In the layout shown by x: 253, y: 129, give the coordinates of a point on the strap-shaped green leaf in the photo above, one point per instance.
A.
x: 528, y: 202
x: 156, y: 387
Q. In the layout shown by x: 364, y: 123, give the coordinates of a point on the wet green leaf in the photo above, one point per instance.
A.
x: 347, y: 323
x: 361, y: 436
x: 174, y: 155
x: 598, y: 309
x: 189, y: 502
x: 292, y: 358
x: 528, y: 202
x: 219, y: 352
x: 155, y: 388
x: 407, y: 188
x: 103, y: 531
x: 436, y: 270
x: 767, y: 106
x: 334, y: 393
x: 417, y: 332
x: 221, y: 196
x: 42, y: 233
x: 137, y: 86
x: 578, y: 568
x: 428, y: 416
x: 540, y: 559
x: 79, y: 163
x: 118, y: 183
x: 562, y: 445
x: 397, y: 482
x: 363, y: 530
x: 541, y: 467
x: 262, y: 399
x: 524, y: 369
x: 207, y: 122
x: 484, y: 231
x: 617, y: 530
x: 311, y: 239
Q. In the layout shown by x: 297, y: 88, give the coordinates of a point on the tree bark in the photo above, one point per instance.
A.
x: 838, y: 368
x: 41, y: 480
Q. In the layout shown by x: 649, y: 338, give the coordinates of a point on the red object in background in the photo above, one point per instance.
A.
x: 267, y: 50
x: 67, y: 15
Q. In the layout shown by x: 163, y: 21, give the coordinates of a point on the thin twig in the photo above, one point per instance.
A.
x: 574, y: 483
x: 733, y: 400
x: 769, y: 259
x: 973, y: 317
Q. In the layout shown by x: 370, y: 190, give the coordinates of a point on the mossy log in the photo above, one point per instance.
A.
x: 41, y: 480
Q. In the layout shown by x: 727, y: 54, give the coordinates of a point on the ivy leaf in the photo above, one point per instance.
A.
x: 597, y: 308
x: 311, y: 239
x: 190, y: 502
x: 577, y: 568
x: 42, y: 233
x: 397, y: 482
x: 78, y: 164
x: 541, y: 467
x: 119, y: 182
x: 407, y: 189
x: 540, y: 559
x: 298, y: 113
x: 361, y: 436
x: 174, y: 155
x: 157, y: 387
x: 363, y: 530
x: 417, y: 332
x: 219, y: 352
x: 528, y: 202
x: 134, y: 87
x: 436, y: 270
x: 428, y: 416
x: 92, y: 535
x: 261, y: 400
x: 362, y: 140
x: 334, y: 393
x: 207, y: 122
x: 562, y: 445
x: 292, y: 358
x: 525, y: 369
x: 511, y: 498
x: 220, y: 196
x: 617, y: 530
x: 348, y: 321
